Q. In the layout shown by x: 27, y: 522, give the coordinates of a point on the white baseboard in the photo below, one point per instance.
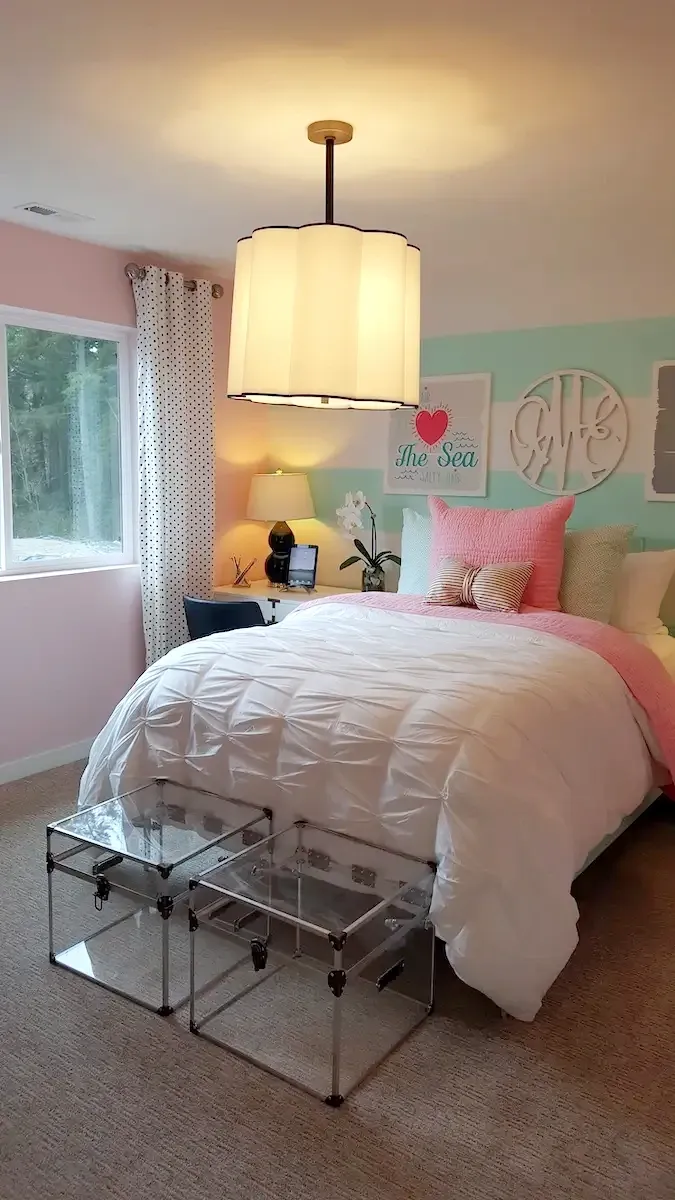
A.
x: 45, y: 761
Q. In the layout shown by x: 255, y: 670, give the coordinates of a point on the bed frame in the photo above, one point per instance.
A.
x: 638, y: 544
x: 606, y: 842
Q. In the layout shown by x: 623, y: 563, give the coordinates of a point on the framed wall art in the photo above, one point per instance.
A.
x: 441, y: 448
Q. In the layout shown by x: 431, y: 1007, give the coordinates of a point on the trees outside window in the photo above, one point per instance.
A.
x: 64, y: 433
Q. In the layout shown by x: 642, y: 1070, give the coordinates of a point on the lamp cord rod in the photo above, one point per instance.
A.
x: 330, y: 178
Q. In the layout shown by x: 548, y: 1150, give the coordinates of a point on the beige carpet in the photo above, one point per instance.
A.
x: 101, y: 1099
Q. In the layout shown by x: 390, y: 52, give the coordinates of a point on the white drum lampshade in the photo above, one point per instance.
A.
x: 280, y: 498
x: 326, y: 315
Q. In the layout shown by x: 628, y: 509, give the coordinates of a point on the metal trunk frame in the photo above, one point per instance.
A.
x: 337, y: 977
x: 165, y: 901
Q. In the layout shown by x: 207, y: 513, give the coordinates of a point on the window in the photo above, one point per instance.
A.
x: 65, y: 443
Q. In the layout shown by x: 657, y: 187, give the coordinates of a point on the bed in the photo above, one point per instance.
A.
x: 510, y: 748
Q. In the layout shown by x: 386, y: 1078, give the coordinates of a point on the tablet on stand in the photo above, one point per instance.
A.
x: 302, y: 567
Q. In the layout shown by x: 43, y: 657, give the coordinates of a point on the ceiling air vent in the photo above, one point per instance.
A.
x: 45, y: 210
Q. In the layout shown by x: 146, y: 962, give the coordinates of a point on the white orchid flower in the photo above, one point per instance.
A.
x: 359, y: 501
x: 349, y: 516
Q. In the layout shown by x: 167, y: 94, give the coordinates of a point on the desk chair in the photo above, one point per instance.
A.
x: 205, y: 617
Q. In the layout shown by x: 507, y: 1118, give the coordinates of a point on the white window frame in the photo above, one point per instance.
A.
x: 125, y: 336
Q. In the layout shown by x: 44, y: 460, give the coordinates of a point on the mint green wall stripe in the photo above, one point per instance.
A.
x: 330, y: 484
x: 622, y: 352
x: 619, y: 499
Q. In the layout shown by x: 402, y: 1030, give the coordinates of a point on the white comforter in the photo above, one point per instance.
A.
x: 505, y: 753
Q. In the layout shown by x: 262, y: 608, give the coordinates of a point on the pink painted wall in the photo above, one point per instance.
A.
x: 60, y: 275
x: 71, y: 644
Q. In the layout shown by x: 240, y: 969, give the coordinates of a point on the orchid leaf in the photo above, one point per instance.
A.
x: 365, y: 553
x: 349, y: 562
x: 387, y: 556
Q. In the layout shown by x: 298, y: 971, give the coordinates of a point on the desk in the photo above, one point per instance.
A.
x: 276, y: 603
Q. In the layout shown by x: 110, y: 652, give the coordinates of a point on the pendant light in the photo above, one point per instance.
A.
x: 326, y: 315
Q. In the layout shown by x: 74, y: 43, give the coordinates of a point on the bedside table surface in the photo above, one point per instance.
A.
x: 261, y: 590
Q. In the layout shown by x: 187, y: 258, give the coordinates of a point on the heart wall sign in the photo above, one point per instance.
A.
x: 441, y: 447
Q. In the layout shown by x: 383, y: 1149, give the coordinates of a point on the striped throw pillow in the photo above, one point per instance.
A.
x: 498, y: 587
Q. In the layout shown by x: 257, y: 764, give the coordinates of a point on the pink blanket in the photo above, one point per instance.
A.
x: 644, y: 675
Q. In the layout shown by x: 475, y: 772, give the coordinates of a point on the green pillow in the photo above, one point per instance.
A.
x: 593, y: 559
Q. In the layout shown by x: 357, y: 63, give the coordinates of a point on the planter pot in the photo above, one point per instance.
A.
x: 373, y: 579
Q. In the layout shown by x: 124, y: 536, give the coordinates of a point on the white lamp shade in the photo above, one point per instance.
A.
x: 326, y: 316
x: 280, y: 497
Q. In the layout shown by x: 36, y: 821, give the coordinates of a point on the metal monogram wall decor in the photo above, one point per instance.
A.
x: 441, y: 448
x: 569, y: 432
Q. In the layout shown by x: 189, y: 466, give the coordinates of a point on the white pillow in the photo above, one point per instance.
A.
x: 662, y: 646
x: 642, y: 584
x: 415, y: 553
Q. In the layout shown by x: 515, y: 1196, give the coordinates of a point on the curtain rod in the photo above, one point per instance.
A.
x: 133, y: 271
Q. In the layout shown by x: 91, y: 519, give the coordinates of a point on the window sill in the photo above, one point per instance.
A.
x: 45, y: 572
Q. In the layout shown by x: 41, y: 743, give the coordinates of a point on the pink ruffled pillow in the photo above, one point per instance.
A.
x: 490, y: 535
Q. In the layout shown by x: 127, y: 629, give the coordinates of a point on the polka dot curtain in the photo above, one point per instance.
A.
x: 175, y: 410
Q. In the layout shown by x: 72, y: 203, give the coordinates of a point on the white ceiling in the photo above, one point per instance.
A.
x: 525, y: 145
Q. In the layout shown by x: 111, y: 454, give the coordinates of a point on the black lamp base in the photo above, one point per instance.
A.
x: 281, y: 541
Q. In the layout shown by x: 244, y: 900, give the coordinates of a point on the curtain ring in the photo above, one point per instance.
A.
x: 133, y: 271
